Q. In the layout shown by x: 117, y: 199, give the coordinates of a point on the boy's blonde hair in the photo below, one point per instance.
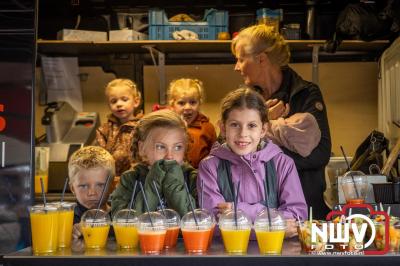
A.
x: 124, y: 83
x: 263, y: 39
x: 90, y: 157
x: 163, y: 118
x: 179, y: 87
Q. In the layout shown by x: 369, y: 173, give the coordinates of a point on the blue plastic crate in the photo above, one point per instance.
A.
x: 160, y: 28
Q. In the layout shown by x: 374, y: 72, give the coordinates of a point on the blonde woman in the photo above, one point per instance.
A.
x: 297, y: 113
x: 185, y: 97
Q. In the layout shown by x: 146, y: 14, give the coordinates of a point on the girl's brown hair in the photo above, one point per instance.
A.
x: 244, y: 97
x: 163, y: 118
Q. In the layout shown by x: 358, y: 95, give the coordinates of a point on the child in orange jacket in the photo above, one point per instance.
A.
x: 185, y: 97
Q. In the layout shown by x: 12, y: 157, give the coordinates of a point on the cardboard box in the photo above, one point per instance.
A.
x: 82, y: 35
x: 127, y: 35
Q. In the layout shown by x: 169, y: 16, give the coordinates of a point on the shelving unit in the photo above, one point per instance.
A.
x: 126, y: 59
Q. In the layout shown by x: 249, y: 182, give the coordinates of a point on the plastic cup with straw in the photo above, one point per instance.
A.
x: 235, y: 227
x: 172, y: 222
x: 65, y: 219
x: 152, y: 228
x: 358, y: 196
x: 270, y: 226
x: 95, y: 223
x: 196, y: 227
x: 44, y: 226
x: 125, y: 223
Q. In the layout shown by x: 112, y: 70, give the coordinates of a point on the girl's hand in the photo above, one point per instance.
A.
x: 291, y: 228
x: 76, y: 231
x: 224, y: 206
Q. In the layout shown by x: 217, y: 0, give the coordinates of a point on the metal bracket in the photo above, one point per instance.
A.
x: 161, y: 72
x: 315, y: 66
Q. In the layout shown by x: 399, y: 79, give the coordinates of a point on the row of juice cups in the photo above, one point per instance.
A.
x: 304, y: 231
x: 52, y: 228
x: 158, y: 230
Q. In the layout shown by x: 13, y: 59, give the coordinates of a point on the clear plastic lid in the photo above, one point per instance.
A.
x: 354, y: 185
x: 358, y: 177
x: 40, y: 208
x: 126, y: 217
x: 152, y: 221
x: 172, y: 218
x: 200, y: 219
x: 227, y: 220
x: 278, y: 221
x: 96, y: 217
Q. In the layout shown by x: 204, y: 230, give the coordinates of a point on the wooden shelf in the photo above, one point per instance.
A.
x: 74, y: 48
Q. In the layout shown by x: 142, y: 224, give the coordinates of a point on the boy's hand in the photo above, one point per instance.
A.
x: 76, y: 231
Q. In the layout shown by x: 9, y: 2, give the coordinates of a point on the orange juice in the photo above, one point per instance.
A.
x: 127, y: 235
x: 95, y: 236
x: 44, y: 227
x: 152, y: 242
x: 65, y: 222
x: 235, y: 241
x: 270, y: 242
x: 211, y: 236
x: 355, y: 201
x: 171, y: 237
x: 196, y: 241
x: 38, y: 188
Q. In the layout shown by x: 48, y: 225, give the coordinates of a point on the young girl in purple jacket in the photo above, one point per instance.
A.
x: 268, y: 177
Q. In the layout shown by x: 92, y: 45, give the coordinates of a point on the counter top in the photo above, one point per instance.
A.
x: 291, y: 255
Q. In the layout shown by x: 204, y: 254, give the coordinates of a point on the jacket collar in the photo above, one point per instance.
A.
x: 113, y: 119
x: 292, y: 84
x: 199, y: 120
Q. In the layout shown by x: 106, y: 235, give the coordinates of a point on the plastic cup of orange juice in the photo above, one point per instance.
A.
x: 173, y: 221
x: 95, y: 224
x: 270, y: 231
x: 44, y: 228
x: 196, y: 229
x: 235, y: 231
x: 355, y: 187
x: 41, y: 168
x: 152, y: 231
x: 125, y: 223
x: 65, y: 223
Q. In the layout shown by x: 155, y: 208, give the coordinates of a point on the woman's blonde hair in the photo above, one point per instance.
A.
x: 124, y: 83
x: 179, y: 87
x: 263, y: 39
x: 159, y: 119
x: 90, y: 157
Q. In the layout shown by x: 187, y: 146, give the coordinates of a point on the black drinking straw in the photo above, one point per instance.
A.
x: 64, y: 189
x: 146, y: 204
x: 191, y: 203
x: 102, y: 197
x: 202, y: 193
x: 159, y: 198
x: 348, y: 168
x: 43, y: 195
x: 132, y: 199
x: 235, y: 202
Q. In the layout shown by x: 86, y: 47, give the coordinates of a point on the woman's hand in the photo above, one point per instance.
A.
x: 277, y: 109
x: 291, y: 228
x: 76, y: 231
